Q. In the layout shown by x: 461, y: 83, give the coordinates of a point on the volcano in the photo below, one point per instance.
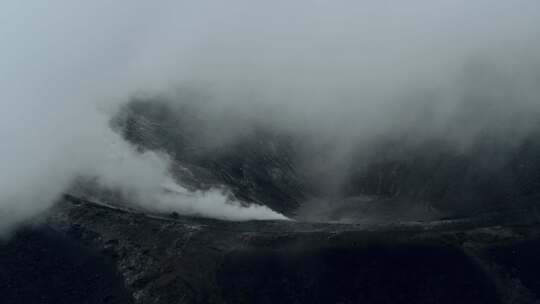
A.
x: 382, y: 240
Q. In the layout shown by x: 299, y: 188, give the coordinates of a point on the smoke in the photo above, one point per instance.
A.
x: 66, y: 66
x: 340, y: 73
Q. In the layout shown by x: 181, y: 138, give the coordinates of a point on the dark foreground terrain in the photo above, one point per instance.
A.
x: 87, y: 253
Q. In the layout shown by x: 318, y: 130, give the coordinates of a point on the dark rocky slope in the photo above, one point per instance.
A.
x: 188, y: 260
x: 398, y: 172
x: 43, y: 265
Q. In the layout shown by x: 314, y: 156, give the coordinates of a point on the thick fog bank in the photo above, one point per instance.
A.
x: 344, y: 78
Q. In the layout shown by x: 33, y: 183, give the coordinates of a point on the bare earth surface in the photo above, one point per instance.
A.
x: 87, y: 253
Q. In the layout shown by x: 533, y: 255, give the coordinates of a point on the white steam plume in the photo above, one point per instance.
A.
x: 64, y: 66
x: 145, y: 181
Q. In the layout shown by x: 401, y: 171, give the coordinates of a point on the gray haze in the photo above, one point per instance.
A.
x: 341, y: 72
